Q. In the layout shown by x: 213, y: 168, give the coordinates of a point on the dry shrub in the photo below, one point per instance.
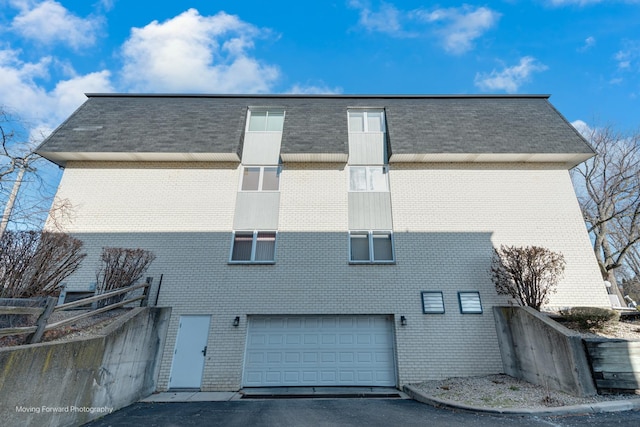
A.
x: 34, y: 263
x: 591, y: 318
x: 527, y: 274
x: 119, y: 268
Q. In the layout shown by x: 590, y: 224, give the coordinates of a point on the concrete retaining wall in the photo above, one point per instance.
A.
x: 71, y: 383
x: 541, y: 351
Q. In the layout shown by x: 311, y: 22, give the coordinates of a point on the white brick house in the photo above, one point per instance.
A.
x: 325, y: 240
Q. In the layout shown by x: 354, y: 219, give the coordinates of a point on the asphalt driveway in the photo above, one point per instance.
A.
x: 370, y: 412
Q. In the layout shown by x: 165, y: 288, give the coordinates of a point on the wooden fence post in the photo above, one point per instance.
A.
x: 145, y: 292
x: 42, y: 321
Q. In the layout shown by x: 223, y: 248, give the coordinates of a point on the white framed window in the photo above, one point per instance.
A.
x: 368, y: 178
x: 260, y: 178
x: 470, y: 302
x: 366, y: 120
x: 371, y: 247
x: 265, y: 120
x: 257, y: 247
x: 432, y: 302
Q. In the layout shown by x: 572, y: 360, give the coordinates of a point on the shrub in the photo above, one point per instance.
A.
x: 527, y: 274
x: 34, y: 263
x: 591, y: 318
x: 121, y: 267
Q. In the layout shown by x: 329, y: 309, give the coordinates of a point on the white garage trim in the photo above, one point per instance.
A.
x: 345, y: 350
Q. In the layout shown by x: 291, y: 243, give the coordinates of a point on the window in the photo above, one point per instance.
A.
x: 470, y: 302
x: 265, y: 121
x: 432, y: 302
x: 260, y: 178
x: 366, y: 120
x: 254, y: 247
x: 371, y: 247
x: 368, y: 178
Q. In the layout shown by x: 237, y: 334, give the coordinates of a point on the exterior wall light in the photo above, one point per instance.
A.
x: 236, y: 321
x: 403, y: 321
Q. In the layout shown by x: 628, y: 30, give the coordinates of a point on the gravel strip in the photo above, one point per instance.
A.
x: 629, y: 330
x: 87, y: 327
x: 502, y: 391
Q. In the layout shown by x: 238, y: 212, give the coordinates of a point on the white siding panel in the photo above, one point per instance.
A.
x: 257, y: 211
x: 367, y: 149
x: 261, y: 148
x: 370, y: 211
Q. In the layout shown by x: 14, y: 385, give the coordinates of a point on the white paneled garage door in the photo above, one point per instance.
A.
x: 319, y: 351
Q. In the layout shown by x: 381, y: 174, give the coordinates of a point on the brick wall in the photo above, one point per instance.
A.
x: 446, y: 217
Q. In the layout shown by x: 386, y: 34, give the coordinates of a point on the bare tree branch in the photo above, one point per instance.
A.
x: 121, y: 267
x: 527, y: 274
x: 608, y: 188
x: 35, y: 264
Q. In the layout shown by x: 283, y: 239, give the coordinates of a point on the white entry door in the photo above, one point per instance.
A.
x: 190, y: 352
x: 319, y: 351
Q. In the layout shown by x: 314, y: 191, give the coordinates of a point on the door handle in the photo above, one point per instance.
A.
x: 204, y: 351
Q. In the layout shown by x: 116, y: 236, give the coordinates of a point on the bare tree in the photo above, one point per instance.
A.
x: 119, y: 268
x: 527, y: 274
x: 20, y: 165
x: 34, y: 263
x: 629, y: 274
x: 608, y: 188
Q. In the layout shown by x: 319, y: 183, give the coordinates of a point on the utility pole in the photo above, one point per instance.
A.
x: 12, y: 199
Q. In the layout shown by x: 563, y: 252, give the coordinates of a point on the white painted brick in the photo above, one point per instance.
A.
x: 447, y: 218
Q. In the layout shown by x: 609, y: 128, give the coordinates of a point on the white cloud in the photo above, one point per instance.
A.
x: 509, y: 79
x: 628, y: 58
x: 319, y: 89
x: 573, y: 2
x: 18, y: 89
x: 457, y: 27
x: 107, y: 4
x: 583, y: 128
x: 589, y: 42
x: 195, y: 53
x: 49, y: 22
x: 460, y: 26
x: 187, y: 53
x: 41, y: 109
x: 582, y: 3
x: 69, y: 94
x: 385, y: 20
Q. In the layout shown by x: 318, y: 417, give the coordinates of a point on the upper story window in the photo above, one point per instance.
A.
x: 260, y: 178
x: 368, y: 178
x: 371, y: 247
x: 265, y: 120
x: 366, y: 120
x: 257, y: 247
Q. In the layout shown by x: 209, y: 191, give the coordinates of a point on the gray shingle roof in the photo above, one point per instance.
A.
x: 417, y: 125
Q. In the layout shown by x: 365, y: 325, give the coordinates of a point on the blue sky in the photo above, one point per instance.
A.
x: 585, y: 53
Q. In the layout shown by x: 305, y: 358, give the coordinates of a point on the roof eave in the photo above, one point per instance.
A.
x: 315, y: 96
x: 61, y: 158
x: 569, y: 159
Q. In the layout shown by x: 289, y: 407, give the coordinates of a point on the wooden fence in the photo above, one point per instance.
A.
x: 615, y: 363
x: 44, y: 313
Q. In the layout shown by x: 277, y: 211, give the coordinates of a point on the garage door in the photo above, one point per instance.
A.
x: 319, y: 351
